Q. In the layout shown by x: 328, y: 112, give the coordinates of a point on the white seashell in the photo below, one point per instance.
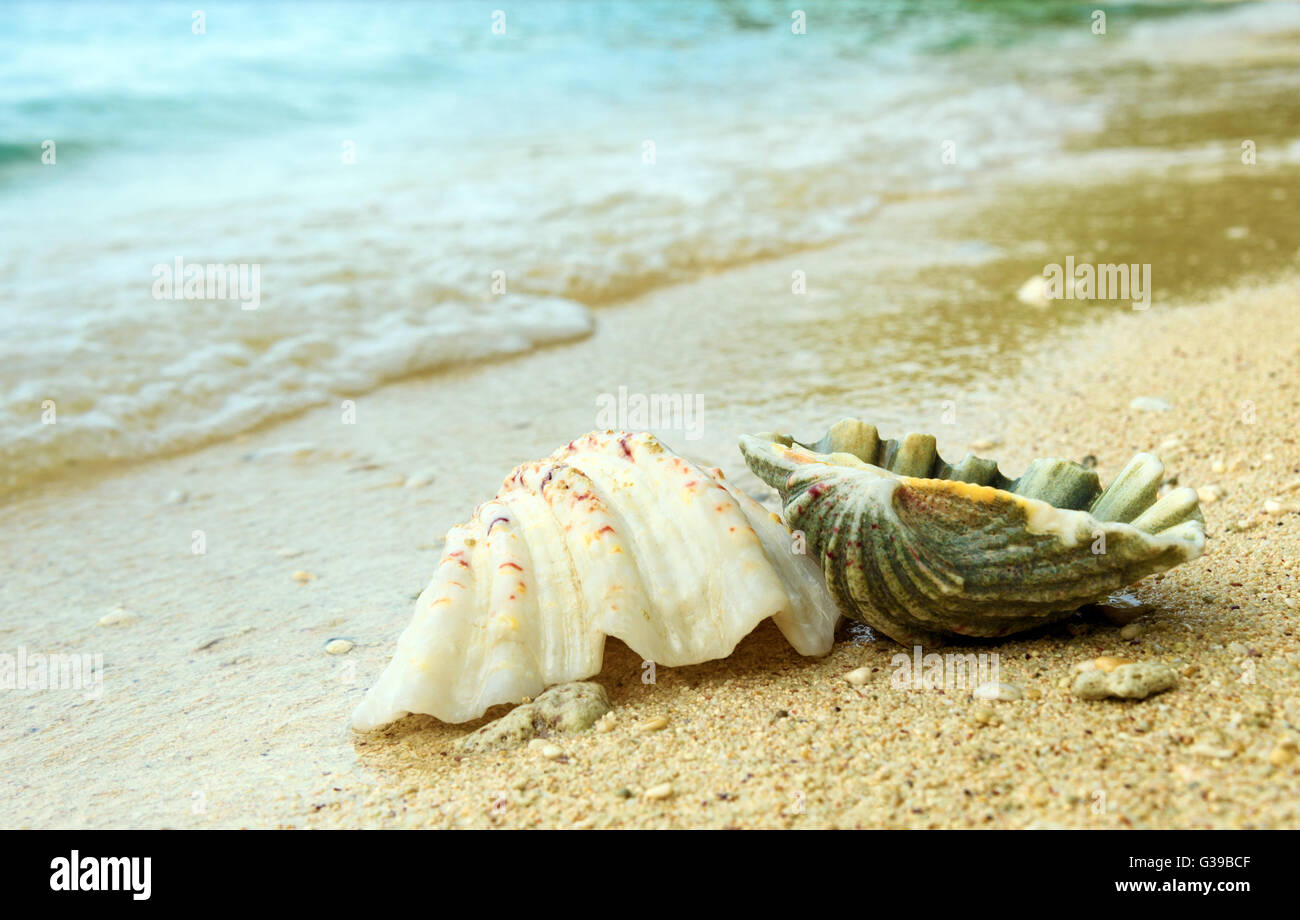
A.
x: 613, y: 535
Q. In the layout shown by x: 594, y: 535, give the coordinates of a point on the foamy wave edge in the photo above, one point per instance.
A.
x: 187, y: 412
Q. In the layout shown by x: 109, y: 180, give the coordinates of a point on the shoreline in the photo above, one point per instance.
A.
x: 221, y: 707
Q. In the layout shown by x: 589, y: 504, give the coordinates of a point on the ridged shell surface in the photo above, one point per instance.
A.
x: 612, y: 535
x: 920, y: 548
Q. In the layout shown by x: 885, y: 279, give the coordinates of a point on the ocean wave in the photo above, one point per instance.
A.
x: 416, y: 190
x: 64, y: 418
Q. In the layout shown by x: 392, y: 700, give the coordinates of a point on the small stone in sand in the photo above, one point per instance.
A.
x: 177, y: 497
x: 659, y: 792
x: 1210, y: 494
x: 566, y: 708
x: 118, y: 616
x: 288, y: 552
x: 858, y: 676
x: 552, y: 751
x: 1034, y: 292
x: 657, y: 724
x: 993, y: 690
x: 338, y: 646
x: 1149, y: 404
x: 1106, y: 663
x: 1131, y: 631
x: 1284, y: 754
x: 985, y: 444
x: 302, y: 577
x: 1130, y: 681
x: 1209, y: 750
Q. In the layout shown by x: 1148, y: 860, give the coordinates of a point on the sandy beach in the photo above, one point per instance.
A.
x: 221, y: 708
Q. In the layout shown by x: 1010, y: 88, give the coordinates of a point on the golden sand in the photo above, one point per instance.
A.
x: 767, y: 739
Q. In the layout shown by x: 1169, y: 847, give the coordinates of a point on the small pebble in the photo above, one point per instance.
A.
x: 1285, y: 753
x: 1210, y: 494
x: 998, y: 691
x: 1206, y: 750
x: 1128, y: 681
x: 1149, y: 404
x: 118, y: 616
x: 338, y: 646
x: 1218, y: 466
x: 606, y: 723
x: 1131, y: 631
x: 657, y: 793
x: 858, y: 676
x: 552, y: 751
x: 302, y: 577
x: 984, y: 714
x: 563, y: 709
x: 985, y: 444
x: 177, y: 497
x: 1106, y: 664
x: 657, y: 724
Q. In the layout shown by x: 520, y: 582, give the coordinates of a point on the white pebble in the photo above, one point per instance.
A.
x: 338, y: 646
x: 1149, y: 404
x: 655, y: 793
x: 118, y: 616
x: 858, y: 676
x: 419, y: 480
x: 994, y: 690
x: 1209, y: 494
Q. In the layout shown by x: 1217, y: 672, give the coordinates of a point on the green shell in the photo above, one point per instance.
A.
x: 919, y: 548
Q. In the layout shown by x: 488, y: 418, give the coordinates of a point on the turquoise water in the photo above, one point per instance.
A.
x: 418, y: 186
